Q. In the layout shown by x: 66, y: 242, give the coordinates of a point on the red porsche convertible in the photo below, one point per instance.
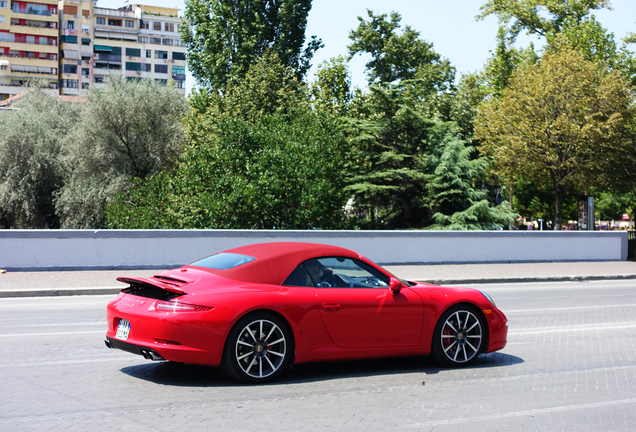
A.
x: 257, y: 310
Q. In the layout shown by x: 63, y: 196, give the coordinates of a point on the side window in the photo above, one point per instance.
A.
x: 299, y: 277
x: 340, y: 272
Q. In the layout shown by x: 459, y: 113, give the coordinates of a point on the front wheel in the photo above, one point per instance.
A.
x: 459, y: 336
x: 258, y: 348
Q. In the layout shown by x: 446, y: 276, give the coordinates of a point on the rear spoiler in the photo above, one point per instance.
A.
x: 144, y: 282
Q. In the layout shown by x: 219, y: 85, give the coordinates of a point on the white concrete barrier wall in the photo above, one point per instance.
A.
x: 129, y: 249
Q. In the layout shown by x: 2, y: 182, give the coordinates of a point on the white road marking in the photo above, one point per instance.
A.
x: 52, y: 334
x: 525, y: 413
x: 541, y: 330
x: 567, y: 308
x: 66, y: 362
x: 62, y: 324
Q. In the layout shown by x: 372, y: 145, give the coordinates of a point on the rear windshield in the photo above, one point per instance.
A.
x: 223, y: 261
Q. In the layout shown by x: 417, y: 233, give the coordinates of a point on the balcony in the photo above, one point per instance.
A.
x: 34, y: 14
x: 113, y: 12
x: 110, y: 58
x: 34, y: 69
x: 50, y: 57
x: 118, y: 29
x: 38, y: 24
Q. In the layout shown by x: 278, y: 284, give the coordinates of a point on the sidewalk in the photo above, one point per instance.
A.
x: 41, y: 284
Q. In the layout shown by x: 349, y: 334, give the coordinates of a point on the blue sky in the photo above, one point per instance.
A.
x: 450, y: 25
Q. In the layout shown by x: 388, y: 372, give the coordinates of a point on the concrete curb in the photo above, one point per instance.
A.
x: 113, y: 291
x: 528, y: 279
x: 55, y: 292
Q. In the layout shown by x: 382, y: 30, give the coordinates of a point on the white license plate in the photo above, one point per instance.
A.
x: 123, y: 329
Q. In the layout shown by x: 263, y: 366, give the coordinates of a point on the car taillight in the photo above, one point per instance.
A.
x: 173, y: 306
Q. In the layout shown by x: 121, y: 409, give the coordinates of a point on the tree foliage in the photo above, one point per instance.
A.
x: 31, y: 144
x: 257, y: 157
x: 561, y: 123
x: 541, y: 17
x: 224, y: 37
x: 396, y: 57
x: 127, y: 129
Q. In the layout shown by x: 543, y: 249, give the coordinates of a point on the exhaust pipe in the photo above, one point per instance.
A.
x: 151, y: 355
x: 107, y: 344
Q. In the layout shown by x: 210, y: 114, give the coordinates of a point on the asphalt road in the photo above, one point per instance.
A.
x: 570, y: 364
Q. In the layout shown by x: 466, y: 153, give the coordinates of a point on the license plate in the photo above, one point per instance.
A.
x: 123, y: 329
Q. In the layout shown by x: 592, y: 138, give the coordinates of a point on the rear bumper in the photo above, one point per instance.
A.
x: 147, y: 353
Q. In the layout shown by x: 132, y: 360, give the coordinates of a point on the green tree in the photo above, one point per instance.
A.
x: 561, y: 123
x: 224, y: 37
x: 257, y: 157
x: 331, y: 90
x: 455, y: 190
x: 31, y: 169
x: 540, y: 17
x: 127, y: 129
x: 396, y: 57
x: 390, y: 142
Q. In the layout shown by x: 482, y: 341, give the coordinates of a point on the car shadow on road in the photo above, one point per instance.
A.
x: 182, y: 375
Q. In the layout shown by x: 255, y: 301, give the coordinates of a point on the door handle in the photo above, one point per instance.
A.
x: 331, y: 307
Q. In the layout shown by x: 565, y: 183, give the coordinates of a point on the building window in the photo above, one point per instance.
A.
x: 167, y: 41
x: 178, y: 42
x: 146, y: 67
x: 70, y: 25
x: 86, y: 41
x: 86, y: 13
x: 130, y: 24
x: 85, y: 85
x: 161, y: 54
x: 169, y: 27
x: 67, y: 83
x: 179, y: 84
x: 161, y: 81
x: 130, y: 66
x: 69, y: 69
x: 133, y: 52
x: 98, y: 80
x: 176, y: 55
x: 180, y: 70
x: 67, y: 39
x: 86, y: 28
x: 4, y: 4
x: 142, y: 39
x: 155, y: 41
x: 3, y: 67
x: 161, y: 68
x: 148, y: 53
x: 1, y: 19
x: 156, y: 25
x: 69, y: 10
x: 144, y: 25
x: 86, y: 72
x: 100, y: 20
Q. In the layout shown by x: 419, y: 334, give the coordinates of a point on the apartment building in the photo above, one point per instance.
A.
x: 28, y: 45
x: 135, y: 41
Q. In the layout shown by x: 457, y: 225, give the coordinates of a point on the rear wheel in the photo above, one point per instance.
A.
x: 459, y: 336
x: 258, y: 348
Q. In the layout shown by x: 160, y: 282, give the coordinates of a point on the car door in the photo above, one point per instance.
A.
x: 359, y: 309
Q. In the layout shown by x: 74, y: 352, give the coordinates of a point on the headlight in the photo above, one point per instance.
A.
x: 488, y: 298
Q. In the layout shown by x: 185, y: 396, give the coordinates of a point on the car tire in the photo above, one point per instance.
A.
x: 258, y: 348
x: 460, y: 336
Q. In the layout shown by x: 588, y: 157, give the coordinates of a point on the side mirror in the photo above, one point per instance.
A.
x: 395, y: 285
